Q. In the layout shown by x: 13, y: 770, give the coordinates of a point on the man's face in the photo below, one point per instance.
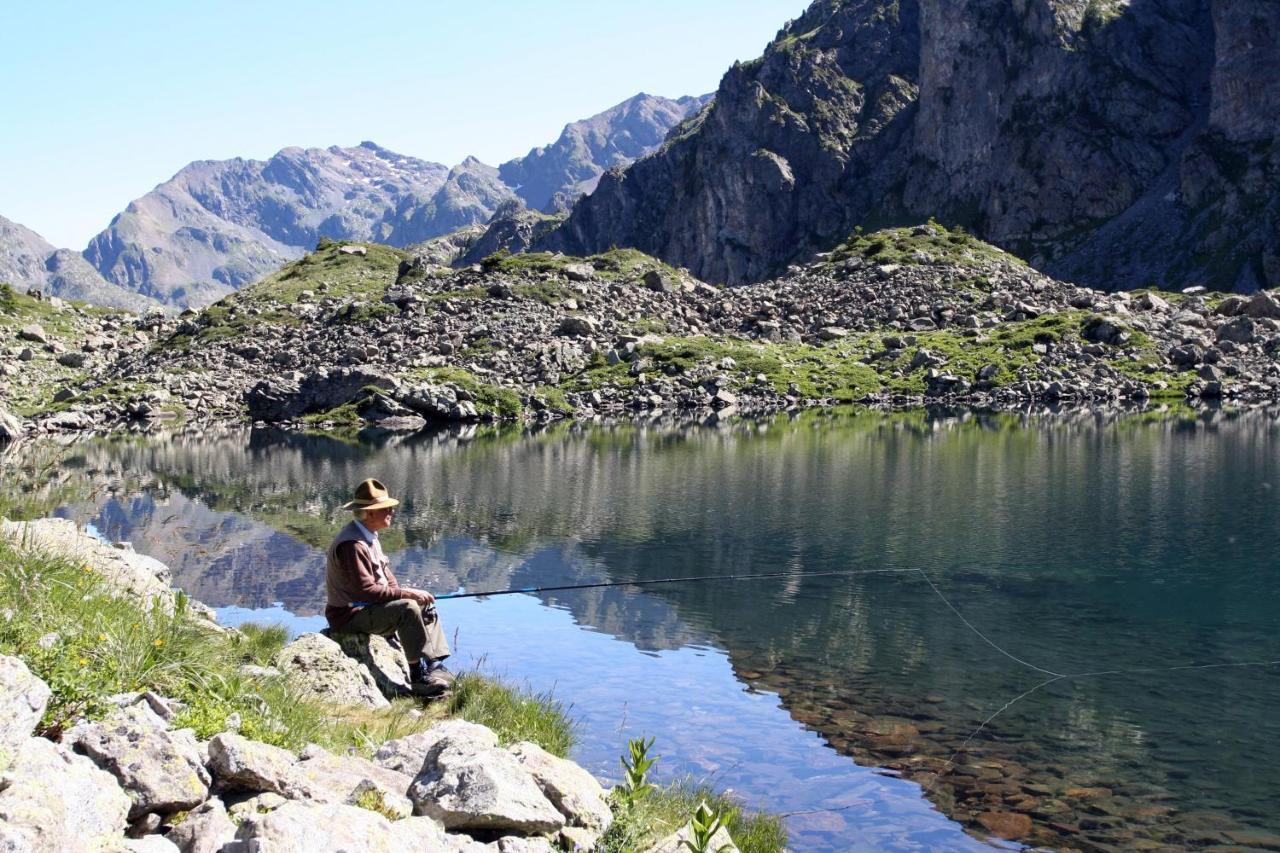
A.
x: 379, y: 519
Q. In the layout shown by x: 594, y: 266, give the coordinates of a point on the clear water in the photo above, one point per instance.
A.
x: 851, y: 702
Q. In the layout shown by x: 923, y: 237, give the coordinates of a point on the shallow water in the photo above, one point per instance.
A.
x: 987, y: 556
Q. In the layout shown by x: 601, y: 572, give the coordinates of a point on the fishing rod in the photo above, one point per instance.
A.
x: 761, y: 576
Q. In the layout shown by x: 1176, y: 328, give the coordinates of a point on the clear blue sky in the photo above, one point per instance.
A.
x: 102, y: 101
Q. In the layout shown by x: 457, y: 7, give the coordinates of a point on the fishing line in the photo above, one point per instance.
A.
x: 1055, y: 676
x: 531, y: 589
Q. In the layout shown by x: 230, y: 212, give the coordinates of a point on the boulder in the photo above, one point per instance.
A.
x: 578, y: 327
x: 282, y: 399
x: 121, y: 572
x: 579, y: 272
x: 387, y: 665
x: 659, y: 283
x: 337, y: 827
x: 1105, y: 330
x: 571, y: 789
x: 73, y: 359
x: 10, y: 427
x: 23, y: 698
x: 485, y: 788
x: 409, y: 754
x: 34, y: 333
x: 1262, y: 304
x: 1241, y: 330
x: 161, y: 771
x: 241, y: 764
x: 317, y: 665
x: 327, y: 778
x: 53, y: 799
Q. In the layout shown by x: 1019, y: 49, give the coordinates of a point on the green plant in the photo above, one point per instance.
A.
x: 371, y: 799
x: 635, y: 772
x: 702, y: 831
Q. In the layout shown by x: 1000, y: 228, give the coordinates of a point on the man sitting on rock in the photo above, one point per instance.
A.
x: 364, y: 597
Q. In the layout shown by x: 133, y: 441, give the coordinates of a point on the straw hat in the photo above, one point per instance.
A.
x: 371, y: 494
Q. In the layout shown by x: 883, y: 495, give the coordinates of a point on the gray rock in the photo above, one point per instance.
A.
x: 486, y: 788
x: 321, y: 776
x: 578, y: 327
x: 1263, y: 304
x: 318, y: 666
x: 1241, y: 330
x: 579, y: 272
x: 145, y: 844
x: 656, y: 281
x: 34, y: 333
x: 241, y: 764
x: 388, y: 667
x: 23, y: 698
x: 409, y: 754
x: 1106, y: 330
x: 53, y: 799
x: 160, y: 770
x: 569, y: 787
x: 73, y: 359
x: 336, y: 827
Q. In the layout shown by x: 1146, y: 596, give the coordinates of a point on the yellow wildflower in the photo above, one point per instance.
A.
x: 102, y: 638
x: 158, y: 643
x: 84, y: 661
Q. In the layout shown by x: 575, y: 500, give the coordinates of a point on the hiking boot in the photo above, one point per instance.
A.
x: 437, y: 670
x: 426, y: 682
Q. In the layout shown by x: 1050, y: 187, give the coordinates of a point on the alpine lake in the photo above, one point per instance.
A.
x: 1059, y: 627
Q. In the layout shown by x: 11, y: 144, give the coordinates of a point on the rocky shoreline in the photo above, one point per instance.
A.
x: 369, y: 336
x: 134, y: 781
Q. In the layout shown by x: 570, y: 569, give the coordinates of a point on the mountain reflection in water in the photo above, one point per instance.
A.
x: 1080, y: 543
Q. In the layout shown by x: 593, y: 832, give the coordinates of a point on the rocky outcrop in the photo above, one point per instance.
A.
x: 319, y: 667
x: 1115, y: 143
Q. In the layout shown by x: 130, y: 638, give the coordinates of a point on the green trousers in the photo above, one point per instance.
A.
x: 417, y: 628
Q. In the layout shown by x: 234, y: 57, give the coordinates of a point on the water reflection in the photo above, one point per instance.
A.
x: 1076, y: 543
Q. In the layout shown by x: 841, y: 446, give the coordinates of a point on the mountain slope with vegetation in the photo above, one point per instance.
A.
x: 365, y: 334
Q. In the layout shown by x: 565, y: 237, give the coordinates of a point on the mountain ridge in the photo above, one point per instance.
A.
x: 217, y: 225
x: 1118, y: 143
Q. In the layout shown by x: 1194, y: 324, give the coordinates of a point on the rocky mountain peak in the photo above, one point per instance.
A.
x: 1115, y: 143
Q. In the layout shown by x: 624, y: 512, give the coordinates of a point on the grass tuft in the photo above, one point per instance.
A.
x: 668, y: 808
x: 515, y: 714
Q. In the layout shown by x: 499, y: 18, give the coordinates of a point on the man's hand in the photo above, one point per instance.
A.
x: 421, y: 596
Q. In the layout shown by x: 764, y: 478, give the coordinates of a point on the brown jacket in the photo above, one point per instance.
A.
x: 351, y: 577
